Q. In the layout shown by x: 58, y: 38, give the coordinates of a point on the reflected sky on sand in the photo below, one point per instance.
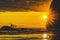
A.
x: 43, y: 36
x: 24, y: 39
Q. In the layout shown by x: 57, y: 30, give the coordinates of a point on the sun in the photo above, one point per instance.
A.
x: 45, y: 17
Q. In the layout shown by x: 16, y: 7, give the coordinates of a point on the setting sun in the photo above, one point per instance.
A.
x: 44, y: 17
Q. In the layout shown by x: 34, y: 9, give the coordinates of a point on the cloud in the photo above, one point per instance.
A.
x: 20, y: 5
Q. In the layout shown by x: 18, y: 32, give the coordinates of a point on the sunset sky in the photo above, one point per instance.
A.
x: 24, y: 14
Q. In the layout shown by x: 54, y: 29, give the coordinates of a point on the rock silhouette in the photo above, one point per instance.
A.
x: 7, y: 28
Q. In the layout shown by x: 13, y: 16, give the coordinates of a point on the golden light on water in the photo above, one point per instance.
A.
x: 45, y: 39
x: 45, y: 35
x: 40, y: 36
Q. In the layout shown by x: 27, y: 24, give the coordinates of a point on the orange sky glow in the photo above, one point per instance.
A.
x: 29, y: 19
x: 24, y: 19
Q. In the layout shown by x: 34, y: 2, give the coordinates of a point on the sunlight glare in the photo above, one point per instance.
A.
x: 44, y: 16
x: 45, y: 35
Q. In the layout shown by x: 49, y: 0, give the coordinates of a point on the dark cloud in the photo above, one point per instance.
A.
x: 19, y: 5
